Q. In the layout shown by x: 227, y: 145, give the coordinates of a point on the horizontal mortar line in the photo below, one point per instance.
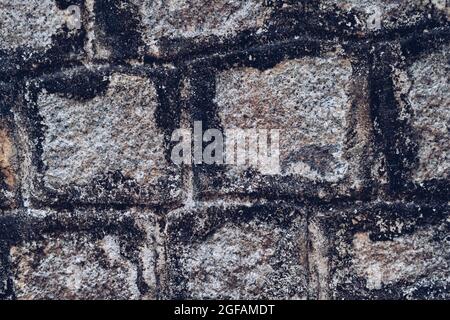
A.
x: 71, y: 207
x: 227, y: 202
x: 187, y: 57
x: 391, y: 36
x: 15, y: 221
x: 296, y: 199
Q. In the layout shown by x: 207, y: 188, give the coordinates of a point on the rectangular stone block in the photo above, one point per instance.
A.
x: 8, y: 177
x: 73, y: 267
x: 319, y: 106
x: 100, y: 137
x: 66, y: 256
x: 381, y: 252
x: 248, y: 252
x: 426, y: 84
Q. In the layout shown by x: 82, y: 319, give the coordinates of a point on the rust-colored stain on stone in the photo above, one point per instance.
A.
x: 6, y: 154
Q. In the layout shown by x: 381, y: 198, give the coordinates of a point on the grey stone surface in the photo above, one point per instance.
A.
x: 29, y: 24
x: 309, y: 100
x: 73, y: 267
x: 92, y: 207
x: 107, y: 148
x: 249, y: 255
x: 85, y: 254
x: 392, y: 253
x: 32, y: 24
x: 428, y: 91
x: 380, y: 15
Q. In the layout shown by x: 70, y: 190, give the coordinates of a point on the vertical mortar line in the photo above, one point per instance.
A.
x: 385, y: 115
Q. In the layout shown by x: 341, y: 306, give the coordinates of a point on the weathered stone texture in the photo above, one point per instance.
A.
x: 372, y: 16
x: 83, y: 254
x: 93, y: 207
x: 395, y: 254
x: 405, y: 258
x: 429, y: 96
x: 242, y: 258
x: 29, y: 24
x: 310, y: 101
x: 73, y: 266
x: 167, y: 26
x: 307, y: 99
x: 8, y: 151
x: 8, y: 174
x: 32, y: 24
x: 108, y: 147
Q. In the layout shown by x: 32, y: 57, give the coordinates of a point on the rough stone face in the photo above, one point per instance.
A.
x: 31, y: 24
x: 309, y: 100
x: 371, y: 16
x: 394, y: 254
x: 38, y: 33
x: 73, y: 266
x: 242, y: 257
x: 106, y: 147
x: 8, y: 151
x: 404, y: 258
x: 94, y: 205
x: 429, y: 97
x: 81, y: 254
x: 8, y: 176
x: 173, y: 20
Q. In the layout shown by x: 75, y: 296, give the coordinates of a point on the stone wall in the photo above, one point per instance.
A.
x: 92, y: 207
